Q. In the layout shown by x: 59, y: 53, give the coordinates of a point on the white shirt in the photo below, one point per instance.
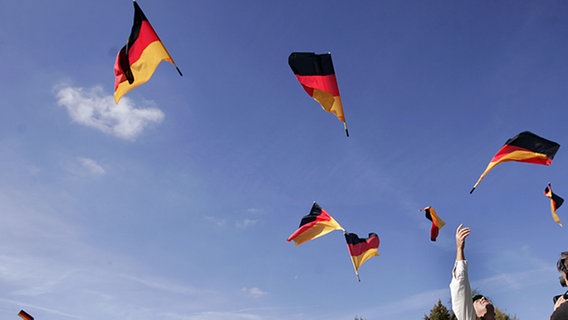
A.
x: 460, y: 291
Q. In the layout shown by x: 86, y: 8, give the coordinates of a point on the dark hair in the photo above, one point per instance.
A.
x: 562, y: 266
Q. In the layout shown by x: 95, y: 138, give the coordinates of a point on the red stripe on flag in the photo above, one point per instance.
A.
x: 508, y: 151
x: 327, y: 83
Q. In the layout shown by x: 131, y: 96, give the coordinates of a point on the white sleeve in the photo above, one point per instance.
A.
x: 460, y: 291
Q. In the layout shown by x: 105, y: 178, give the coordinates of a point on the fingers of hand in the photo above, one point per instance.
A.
x: 559, y: 302
x: 462, y: 233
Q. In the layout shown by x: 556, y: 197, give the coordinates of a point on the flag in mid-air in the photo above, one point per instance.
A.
x: 362, y: 249
x: 24, y: 315
x: 437, y: 222
x: 139, y: 58
x: 524, y: 147
x: 316, y: 74
x: 314, y: 225
x: 555, y: 203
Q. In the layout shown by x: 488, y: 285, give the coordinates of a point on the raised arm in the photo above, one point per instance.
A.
x: 461, y: 234
x: 460, y: 290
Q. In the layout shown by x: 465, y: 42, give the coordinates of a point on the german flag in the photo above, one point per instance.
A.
x: 555, y: 202
x: 24, y: 315
x: 524, y: 147
x: 437, y: 222
x: 361, y: 250
x: 316, y: 75
x: 316, y: 224
x: 139, y: 58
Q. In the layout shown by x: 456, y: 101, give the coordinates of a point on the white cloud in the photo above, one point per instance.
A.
x: 216, y: 221
x: 217, y: 315
x: 503, y: 282
x: 83, y: 167
x: 411, y: 303
x: 164, y: 285
x: 222, y: 223
x: 91, y: 166
x: 245, y: 223
x: 253, y: 292
x: 92, y: 108
x: 254, y: 210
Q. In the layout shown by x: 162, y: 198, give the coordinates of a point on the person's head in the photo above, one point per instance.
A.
x: 562, y: 267
x: 483, y: 306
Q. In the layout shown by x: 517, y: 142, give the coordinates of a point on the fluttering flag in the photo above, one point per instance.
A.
x: 139, y: 58
x: 314, y: 225
x: 24, y: 315
x: 524, y: 147
x: 316, y: 74
x: 437, y: 222
x: 555, y: 203
x: 361, y: 250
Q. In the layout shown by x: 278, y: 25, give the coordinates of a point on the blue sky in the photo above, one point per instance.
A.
x: 176, y: 204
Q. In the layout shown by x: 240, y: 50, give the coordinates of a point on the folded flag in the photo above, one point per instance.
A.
x: 314, y: 225
x: 316, y: 74
x: 555, y: 203
x: 361, y: 249
x: 524, y: 147
x: 437, y: 222
x: 139, y: 58
x: 24, y: 315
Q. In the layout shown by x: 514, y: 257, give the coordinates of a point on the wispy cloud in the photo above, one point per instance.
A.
x: 239, y: 224
x: 254, y: 211
x: 163, y: 285
x: 253, y: 292
x: 420, y: 301
x: 220, y: 315
x: 245, y: 223
x: 504, y: 282
x: 85, y: 167
x: 92, y: 166
x: 216, y: 221
x: 36, y: 307
x: 92, y: 108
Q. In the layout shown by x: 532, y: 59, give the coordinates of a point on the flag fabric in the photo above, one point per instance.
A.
x: 314, y: 225
x: 24, y: 315
x: 437, y: 222
x: 524, y: 147
x: 139, y: 58
x: 316, y: 74
x: 555, y: 203
x: 361, y: 249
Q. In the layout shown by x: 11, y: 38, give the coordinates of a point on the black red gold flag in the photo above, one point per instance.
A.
x: 314, y: 225
x: 437, y: 222
x: 361, y: 249
x: 316, y: 74
x: 555, y: 202
x: 24, y: 315
x: 524, y: 147
x: 138, y: 59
